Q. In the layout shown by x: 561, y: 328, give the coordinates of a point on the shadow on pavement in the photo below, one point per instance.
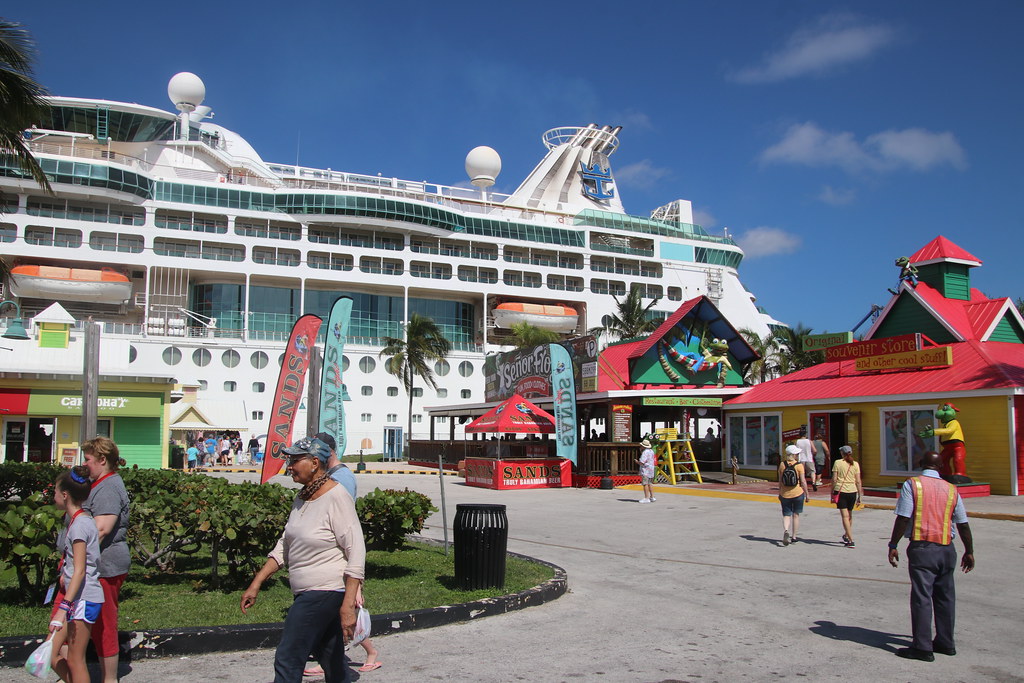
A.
x: 865, y: 636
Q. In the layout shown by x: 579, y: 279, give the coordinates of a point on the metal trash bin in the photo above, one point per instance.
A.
x: 177, y: 457
x: 480, y: 536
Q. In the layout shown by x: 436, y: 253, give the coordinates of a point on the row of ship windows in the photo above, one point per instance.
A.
x: 392, y: 418
x: 230, y: 358
x: 133, y: 244
x: 231, y: 386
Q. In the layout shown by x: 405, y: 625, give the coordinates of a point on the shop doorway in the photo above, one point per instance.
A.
x: 40, y: 439
x: 392, y: 444
x: 15, y: 439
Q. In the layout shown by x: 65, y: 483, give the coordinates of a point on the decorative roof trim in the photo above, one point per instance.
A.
x: 998, y: 318
x: 879, y: 398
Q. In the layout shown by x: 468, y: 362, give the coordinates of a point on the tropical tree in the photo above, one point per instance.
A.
x: 414, y: 356
x: 632, y: 318
x: 792, y: 357
x: 1020, y: 305
x: 21, y: 98
x: 526, y: 336
x: 768, y: 347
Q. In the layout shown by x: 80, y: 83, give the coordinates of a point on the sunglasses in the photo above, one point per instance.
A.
x: 292, y: 459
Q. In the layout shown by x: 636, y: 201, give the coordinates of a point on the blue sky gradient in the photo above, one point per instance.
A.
x: 828, y: 138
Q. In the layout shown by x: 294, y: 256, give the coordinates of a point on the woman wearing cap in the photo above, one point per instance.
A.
x: 646, y: 462
x: 846, y: 482
x: 322, y: 546
x: 792, y: 493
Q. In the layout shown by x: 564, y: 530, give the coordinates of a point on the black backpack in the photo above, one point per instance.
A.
x: 789, y: 477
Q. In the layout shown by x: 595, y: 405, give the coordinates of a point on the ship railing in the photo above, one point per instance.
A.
x: 86, y: 152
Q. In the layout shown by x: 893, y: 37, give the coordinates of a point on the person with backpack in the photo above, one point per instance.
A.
x: 792, y: 493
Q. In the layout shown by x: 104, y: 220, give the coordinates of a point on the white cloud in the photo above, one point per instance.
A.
x: 914, y: 148
x: 764, y: 241
x: 704, y: 218
x: 837, y: 196
x: 832, y: 42
x: 641, y: 174
x: 632, y: 119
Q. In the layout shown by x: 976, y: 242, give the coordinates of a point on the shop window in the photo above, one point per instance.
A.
x: 172, y: 355
x: 230, y: 386
x: 466, y: 368
x: 367, y: 364
x: 103, y: 428
x: 201, y: 357
x: 442, y: 368
x: 755, y: 440
x: 258, y: 387
x: 259, y: 360
x: 466, y: 393
x: 366, y: 390
x: 392, y: 391
x: 230, y: 358
x: 901, y: 446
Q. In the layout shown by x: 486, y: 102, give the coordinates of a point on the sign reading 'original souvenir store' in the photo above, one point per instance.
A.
x: 874, y: 347
x: 940, y: 355
x: 816, y: 342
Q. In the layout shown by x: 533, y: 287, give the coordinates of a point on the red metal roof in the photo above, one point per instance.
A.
x: 968, y: 319
x: 983, y: 313
x: 941, y: 248
x: 976, y: 365
x: 642, y: 347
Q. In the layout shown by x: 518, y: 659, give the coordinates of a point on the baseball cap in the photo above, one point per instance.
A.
x: 314, y: 447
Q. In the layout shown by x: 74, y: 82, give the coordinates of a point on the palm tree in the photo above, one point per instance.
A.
x: 526, y: 336
x: 768, y: 348
x: 412, y: 357
x: 631, y: 318
x: 792, y: 356
x: 21, y: 98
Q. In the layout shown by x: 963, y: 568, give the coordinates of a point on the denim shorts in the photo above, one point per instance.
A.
x: 792, y: 506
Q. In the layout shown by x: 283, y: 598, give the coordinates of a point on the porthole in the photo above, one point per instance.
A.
x: 259, y: 360
x: 466, y: 368
x: 133, y: 353
x: 172, y: 355
x: 442, y: 393
x: 201, y: 357
x: 366, y: 390
x: 344, y: 363
x: 367, y: 364
x: 392, y: 391
x: 442, y: 368
x: 230, y: 358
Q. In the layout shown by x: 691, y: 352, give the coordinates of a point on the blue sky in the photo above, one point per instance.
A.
x: 828, y: 138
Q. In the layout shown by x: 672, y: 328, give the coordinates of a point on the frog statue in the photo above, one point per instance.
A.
x: 716, y: 353
x: 951, y: 436
x: 908, y: 273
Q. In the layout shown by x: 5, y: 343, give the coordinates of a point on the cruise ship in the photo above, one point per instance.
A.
x: 198, y: 255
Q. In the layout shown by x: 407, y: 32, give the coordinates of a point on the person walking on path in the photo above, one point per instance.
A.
x: 646, y: 462
x: 847, y: 491
x: 792, y: 493
x: 926, y: 511
x: 822, y: 455
x: 807, y: 455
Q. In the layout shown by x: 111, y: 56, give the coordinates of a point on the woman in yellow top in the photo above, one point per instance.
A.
x: 792, y: 493
x: 846, y: 482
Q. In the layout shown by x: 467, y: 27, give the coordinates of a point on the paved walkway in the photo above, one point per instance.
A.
x: 696, y: 586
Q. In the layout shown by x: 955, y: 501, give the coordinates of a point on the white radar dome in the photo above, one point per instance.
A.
x: 186, y: 91
x: 483, y: 166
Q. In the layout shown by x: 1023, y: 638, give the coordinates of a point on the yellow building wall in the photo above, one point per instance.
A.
x: 985, y: 421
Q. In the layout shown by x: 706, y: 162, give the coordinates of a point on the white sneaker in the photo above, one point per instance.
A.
x: 643, y: 500
x: 653, y: 499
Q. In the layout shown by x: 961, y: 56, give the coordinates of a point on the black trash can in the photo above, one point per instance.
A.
x: 177, y: 457
x: 480, y: 535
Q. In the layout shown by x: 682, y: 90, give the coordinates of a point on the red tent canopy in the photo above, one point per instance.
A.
x: 514, y: 414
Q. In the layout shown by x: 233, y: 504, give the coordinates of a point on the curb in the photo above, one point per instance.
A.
x: 221, y: 470
x: 174, y: 642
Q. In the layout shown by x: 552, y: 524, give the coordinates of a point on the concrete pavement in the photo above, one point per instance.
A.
x: 694, y: 586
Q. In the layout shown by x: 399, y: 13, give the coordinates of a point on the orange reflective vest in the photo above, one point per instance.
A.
x: 934, y: 500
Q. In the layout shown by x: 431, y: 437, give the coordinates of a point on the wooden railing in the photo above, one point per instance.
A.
x: 592, y: 457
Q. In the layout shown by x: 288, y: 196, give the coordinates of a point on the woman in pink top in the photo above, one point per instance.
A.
x: 322, y: 546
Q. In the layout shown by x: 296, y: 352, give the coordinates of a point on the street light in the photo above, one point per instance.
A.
x: 16, y: 328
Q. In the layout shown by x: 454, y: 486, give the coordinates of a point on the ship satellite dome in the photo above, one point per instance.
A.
x: 483, y: 166
x: 186, y: 91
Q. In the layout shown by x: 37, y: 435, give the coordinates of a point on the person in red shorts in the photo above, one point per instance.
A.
x: 108, y: 505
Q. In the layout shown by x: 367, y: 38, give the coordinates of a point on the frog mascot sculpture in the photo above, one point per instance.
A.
x: 908, y: 273
x: 951, y: 436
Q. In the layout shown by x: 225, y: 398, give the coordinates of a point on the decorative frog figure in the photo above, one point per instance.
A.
x: 954, y: 450
x: 908, y: 273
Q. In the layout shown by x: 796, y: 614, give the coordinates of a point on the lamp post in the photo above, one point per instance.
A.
x: 16, y: 329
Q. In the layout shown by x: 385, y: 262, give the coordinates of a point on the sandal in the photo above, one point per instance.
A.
x: 313, y: 671
x: 373, y: 666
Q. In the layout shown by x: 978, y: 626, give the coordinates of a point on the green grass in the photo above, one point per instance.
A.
x: 368, y: 457
x: 415, y: 577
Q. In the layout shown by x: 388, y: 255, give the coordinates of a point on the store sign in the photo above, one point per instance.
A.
x: 541, y: 473
x: 874, y: 347
x: 68, y: 456
x: 122, y: 405
x: 685, y: 401
x: 527, y: 372
x: 940, y: 355
x: 793, y: 434
x: 622, y: 423
x: 816, y: 342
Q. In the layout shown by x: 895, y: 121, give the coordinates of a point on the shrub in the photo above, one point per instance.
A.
x: 388, y: 516
x: 22, y: 479
x: 28, y: 540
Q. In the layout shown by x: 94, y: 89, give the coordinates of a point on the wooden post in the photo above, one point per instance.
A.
x: 735, y: 470
x: 316, y: 365
x: 90, y: 384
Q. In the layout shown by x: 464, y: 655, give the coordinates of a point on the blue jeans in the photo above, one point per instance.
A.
x: 313, y: 626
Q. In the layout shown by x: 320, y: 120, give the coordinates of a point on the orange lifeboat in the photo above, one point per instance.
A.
x: 556, y: 318
x: 103, y: 286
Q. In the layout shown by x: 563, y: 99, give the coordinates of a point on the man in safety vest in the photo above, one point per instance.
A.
x: 926, y: 511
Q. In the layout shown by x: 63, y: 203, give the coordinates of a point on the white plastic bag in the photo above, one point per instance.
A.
x: 362, y: 631
x: 38, y: 663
